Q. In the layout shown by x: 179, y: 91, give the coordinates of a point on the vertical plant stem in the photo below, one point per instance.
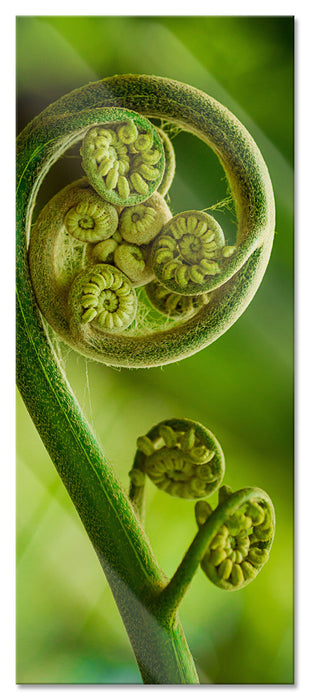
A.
x: 119, y: 541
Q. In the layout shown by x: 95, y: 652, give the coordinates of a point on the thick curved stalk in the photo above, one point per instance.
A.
x: 121, y: 546
x: 107, y: 515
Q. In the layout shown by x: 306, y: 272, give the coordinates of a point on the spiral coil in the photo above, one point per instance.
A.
x: 240, y: 546
x: 181, y: 457
x: 130, y: 165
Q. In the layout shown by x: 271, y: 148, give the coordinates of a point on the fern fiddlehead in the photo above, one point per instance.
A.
x: 186, y: 255
x: 180, y: 457
x: 233, y: 542
x: 103, y: 298
x: 130, y: 164
x: 124, y: 158
x: 91, y: 219
x: 230, y: 561
x: 142, y: 223
x: 90, y: 305
x: 241, y: 546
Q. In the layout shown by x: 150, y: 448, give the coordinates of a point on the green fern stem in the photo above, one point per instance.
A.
x: 106, y: 513
x: 120, y: 543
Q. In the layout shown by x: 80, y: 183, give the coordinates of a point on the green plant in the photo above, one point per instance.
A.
x: 94, y: 252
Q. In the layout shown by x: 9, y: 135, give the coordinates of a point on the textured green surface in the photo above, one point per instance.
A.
x: 240, y: 387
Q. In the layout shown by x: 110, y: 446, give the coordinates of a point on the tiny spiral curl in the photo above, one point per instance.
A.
x: 103, y: 252
x: 188, y: 253
x: 133, y: 260
x: 124, y: 159
x: 91, y: 220
x: 175, y: 306
x: 241, y: 545
x: 104, y: 297
x: 180, y: 457
x: 140, y: 224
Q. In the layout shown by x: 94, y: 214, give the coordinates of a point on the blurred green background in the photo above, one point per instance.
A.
x: 241, y: 387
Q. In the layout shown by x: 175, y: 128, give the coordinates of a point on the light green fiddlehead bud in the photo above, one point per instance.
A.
x: 92, y: 220
x: 104, y: 251
x: 242, y: 538
x: 56, y: 256
x: 186, y: 255
x: 140, y: 224
x: 123, y: 158
x: 133, y: 261
x: 177, y: 306
x: 102, y: 297
x: 182, y: 458
x: 202, y: 512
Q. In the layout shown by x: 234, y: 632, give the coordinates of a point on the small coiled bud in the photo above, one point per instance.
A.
x: 91, y: 220
x: 104, y: 251
x: 137, y: 477
x: 141, y: 223
x: 202, y: 512
x: 224, y: 493
x: 176, y: 306
x: 103, y: 297
x: 186, y: 255
x: 240, y: 546
x: 133, y: 261
x: 123, y: 158
x: 182, y: 458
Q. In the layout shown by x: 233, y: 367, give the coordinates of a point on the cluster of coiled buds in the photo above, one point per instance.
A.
x: 123, y: 160
x: 240, y: 546
x: 190, y: 250
x: 176, y: 306
x: 118, y: 217
x: 104, y: 297
x: 180, y: 457
x: 181, y: 252
x: 184, y: 459
x: 129, y: 248
x: 124, y: 126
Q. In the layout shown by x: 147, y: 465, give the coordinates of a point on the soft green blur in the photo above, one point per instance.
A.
x: 241, y: 387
